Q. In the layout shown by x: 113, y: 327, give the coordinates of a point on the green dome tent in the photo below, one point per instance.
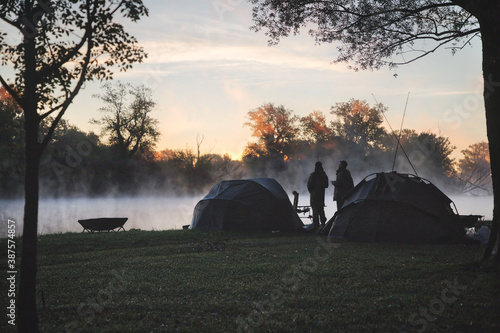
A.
x: 250, y: 205
x: 394, y: 207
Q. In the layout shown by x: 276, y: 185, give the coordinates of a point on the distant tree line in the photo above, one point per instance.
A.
x: 287, y: 145
x: 123, y: 160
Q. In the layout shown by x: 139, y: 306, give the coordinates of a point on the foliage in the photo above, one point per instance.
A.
x: 474, y: 174
x: 315, y: 129
x: 372, y: 34
x: 64, y: 164
x: 11, y: 143
x: 356, y: 134
x: 178, y: 280
x: 70, y: 39
x: 184, y: 172
x: 276, y: 131
x: 359, y: 123
x: 437, y: 153
x: 79, y: 163
x: 429, y: 153
x: 130, y: 127
x: 52, y: 48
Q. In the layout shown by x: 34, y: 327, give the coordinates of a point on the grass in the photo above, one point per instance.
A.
x: 186, y: 281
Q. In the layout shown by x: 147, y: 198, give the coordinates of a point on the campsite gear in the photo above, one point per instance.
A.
x: 394, y: 207
x: 398, y: 137
x: 482, y: 235
x: 248, y: 205
x: 103, y: 224
x: 304, y: 212
x: 470, y: 221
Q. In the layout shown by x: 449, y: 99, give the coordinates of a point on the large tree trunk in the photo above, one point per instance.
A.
x: 489, y: 22
x: 28, y: 317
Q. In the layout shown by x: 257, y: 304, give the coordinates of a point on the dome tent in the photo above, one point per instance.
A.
x: 248, y: 205
x: 394, y: 207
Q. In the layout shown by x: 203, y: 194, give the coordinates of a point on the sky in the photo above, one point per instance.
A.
x: 207, y: 69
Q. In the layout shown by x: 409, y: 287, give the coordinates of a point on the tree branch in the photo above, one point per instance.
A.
x: 64, y: 106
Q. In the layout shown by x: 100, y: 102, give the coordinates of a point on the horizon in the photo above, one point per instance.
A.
x: 207, y: 69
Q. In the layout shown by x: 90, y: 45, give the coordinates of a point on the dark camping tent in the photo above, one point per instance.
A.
x: 394, y: 207
x: 251, y: 205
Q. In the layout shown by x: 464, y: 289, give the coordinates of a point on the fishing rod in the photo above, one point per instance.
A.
x: 397, y: 139
x: 400, y: 132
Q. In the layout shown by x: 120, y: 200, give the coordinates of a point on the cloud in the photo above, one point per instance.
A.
x: 236, y: 92
x: 210, y: 69
x: 200, y: 54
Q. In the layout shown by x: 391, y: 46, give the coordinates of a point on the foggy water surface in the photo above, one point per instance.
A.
x: 157, y: 213
x: 62, y: 215
x: 474, y: 205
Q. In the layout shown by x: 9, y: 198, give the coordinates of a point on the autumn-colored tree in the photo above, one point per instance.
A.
x: 11, y: 144
x: 315, y: 128
x: 276, y: 131
x: 317, y: 137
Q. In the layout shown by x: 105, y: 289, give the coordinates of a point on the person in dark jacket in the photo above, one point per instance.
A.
x: 316, y: 185
x: 343, y: 184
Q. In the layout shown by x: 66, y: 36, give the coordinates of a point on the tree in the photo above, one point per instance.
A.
x: 429, y: 153
x: 11, y: 143
x: 64, y: 168
x: 372, y: 34
x: 129, y: 125
x: 359, y: 123
x: 317, y: 136
x: 276, y: 132
x: 315, y: 128
x: 184, y: 171
x: 474, y: 169
x: 53, y: 47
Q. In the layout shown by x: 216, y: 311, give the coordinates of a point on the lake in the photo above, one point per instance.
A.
x: 62, y: 215
x: 155, y: 213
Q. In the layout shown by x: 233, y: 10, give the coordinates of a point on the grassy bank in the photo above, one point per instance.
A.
x: 185, y: 281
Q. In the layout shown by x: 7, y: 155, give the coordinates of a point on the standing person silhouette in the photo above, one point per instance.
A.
x: 343, y: 184
x: 316, y: 185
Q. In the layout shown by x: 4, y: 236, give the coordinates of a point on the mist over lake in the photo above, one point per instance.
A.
x: 62, y: 215
x: 158, y: 213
